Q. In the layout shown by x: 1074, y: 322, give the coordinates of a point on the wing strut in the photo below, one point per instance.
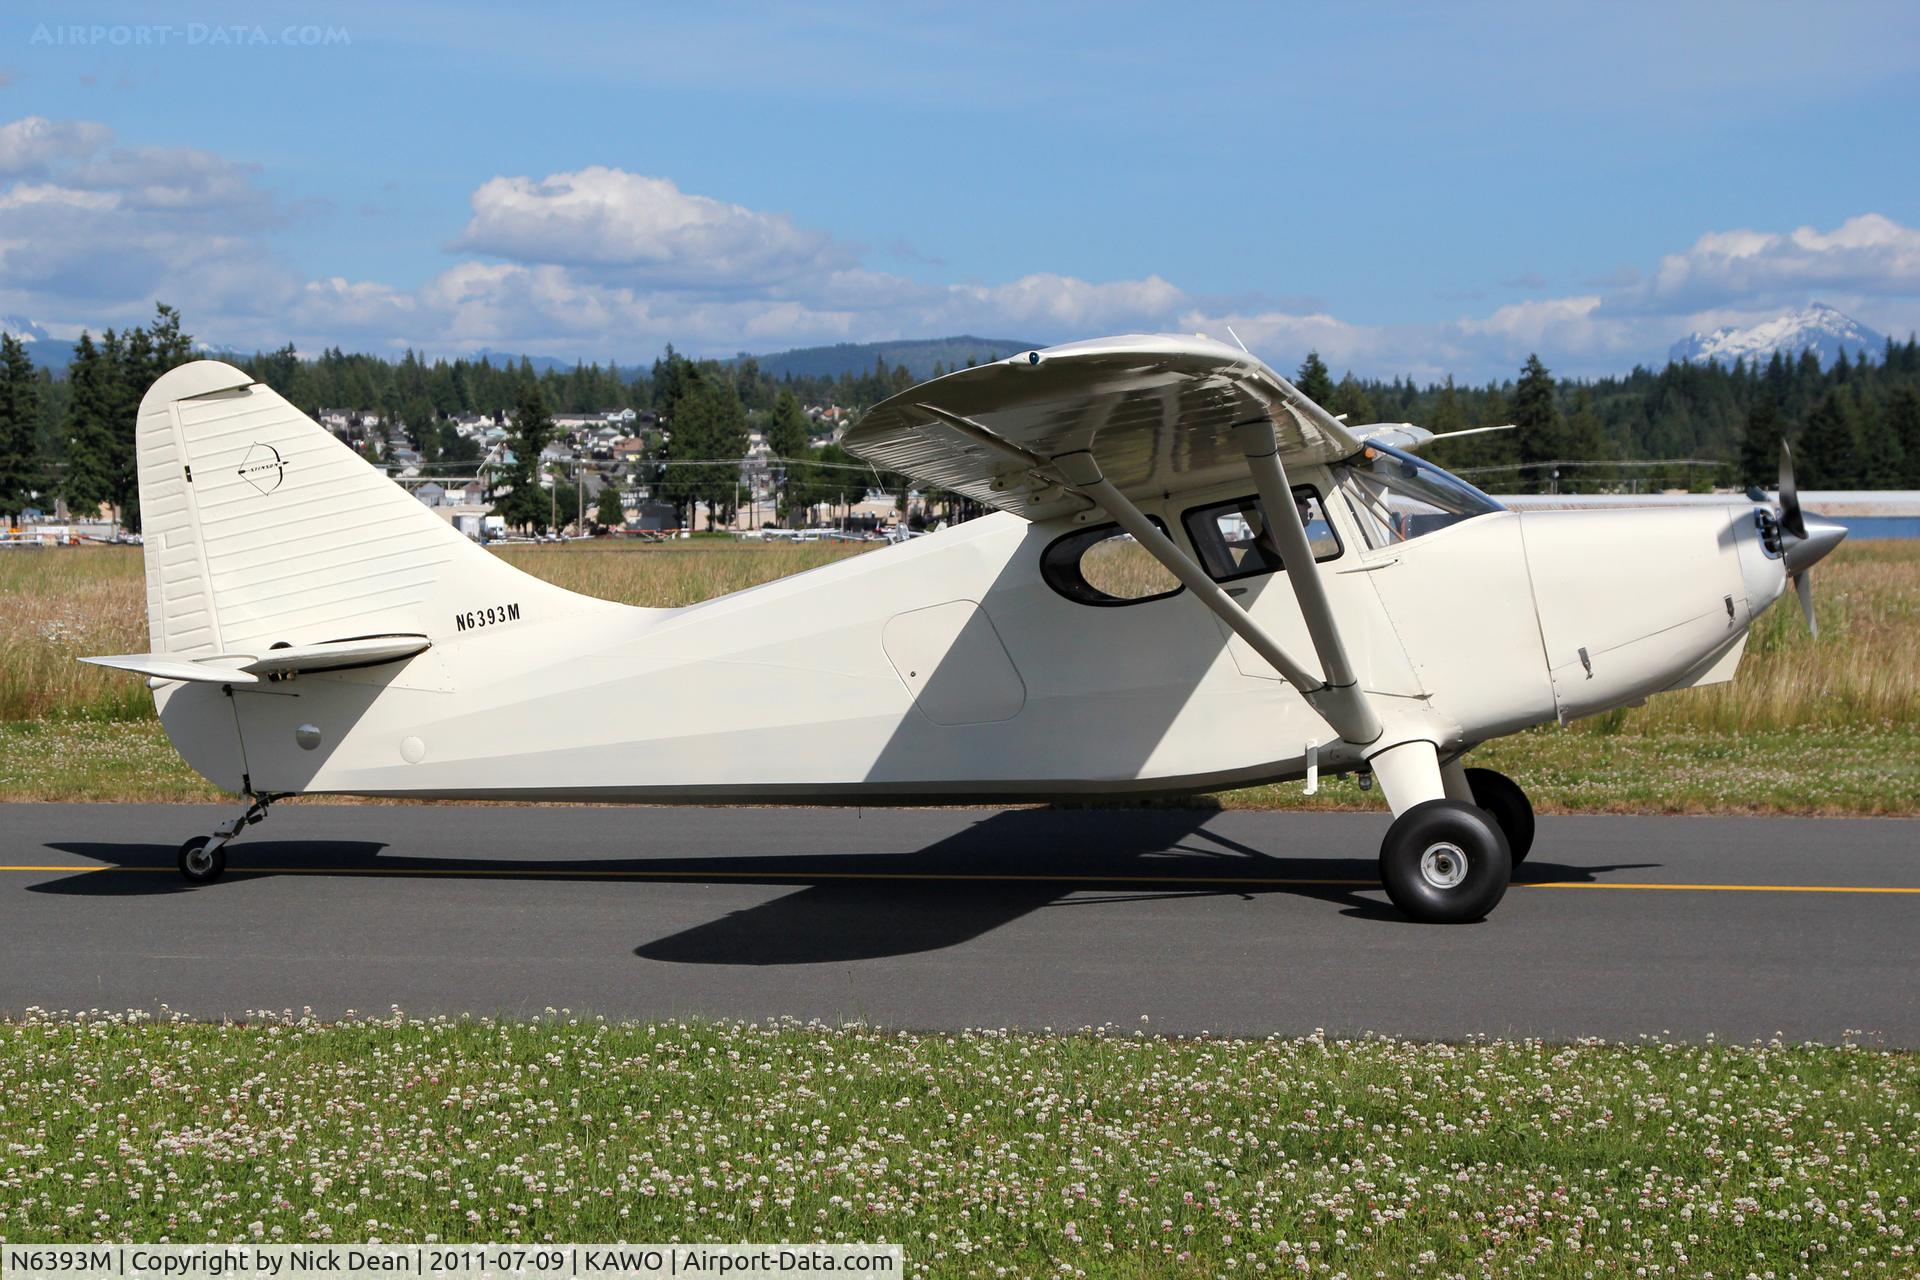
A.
x: 1083, y: 473
x: 1360, y: 725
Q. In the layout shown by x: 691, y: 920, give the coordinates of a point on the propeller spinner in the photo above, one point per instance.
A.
x: 1807, y: 541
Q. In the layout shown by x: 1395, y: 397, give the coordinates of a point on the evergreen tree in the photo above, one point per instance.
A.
x: 423, y: 426
x: 1350, y: 401
x: 172, y: 347
x: 124, y: 363
x: 1903, y: 425
x: 671, y: 376
x: 88, y: 480
x: 1313, y: 379
x: 1447, y: 414
x: 1585, y: 437
x: 1760, y: 443
x: 526, y: 504
x: 787, y: 437
x: 19, y: 427
x: 609, y: 511
x: 1536, y: 419
x: 1830, y: 457
x: 710, y: 434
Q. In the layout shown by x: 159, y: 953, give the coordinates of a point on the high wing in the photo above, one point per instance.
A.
x: 1156, y: 410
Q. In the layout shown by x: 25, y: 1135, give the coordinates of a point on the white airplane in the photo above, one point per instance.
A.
x: 1316, y: 601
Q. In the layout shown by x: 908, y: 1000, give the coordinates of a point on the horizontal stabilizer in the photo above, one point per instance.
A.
x: 246, y: 668
x: 163, y: 666
x: 330, y: 655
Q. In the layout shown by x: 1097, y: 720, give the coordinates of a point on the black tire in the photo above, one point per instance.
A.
x: 1502, y: 797
x: 197, y: 865
x: 1421, y: 862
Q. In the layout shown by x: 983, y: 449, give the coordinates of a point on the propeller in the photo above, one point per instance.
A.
x: 1790, y: 518
x: 1806, y: 542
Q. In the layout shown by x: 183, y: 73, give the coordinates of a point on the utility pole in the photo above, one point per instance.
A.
x: 580, y: 501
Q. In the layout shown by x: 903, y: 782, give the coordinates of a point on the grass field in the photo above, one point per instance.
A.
x: 1827, y: 725
x: 1105, y: 1153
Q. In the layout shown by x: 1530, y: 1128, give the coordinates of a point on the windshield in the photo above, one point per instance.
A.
x: 1395, y: 496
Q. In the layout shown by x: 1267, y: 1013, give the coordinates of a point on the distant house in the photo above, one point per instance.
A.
x: 647, y: 514
x: 433, y: 495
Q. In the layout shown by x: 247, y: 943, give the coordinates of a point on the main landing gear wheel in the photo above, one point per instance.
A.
x: 1445, y: 862
x: 1502, y: 797
x: 201, y: 864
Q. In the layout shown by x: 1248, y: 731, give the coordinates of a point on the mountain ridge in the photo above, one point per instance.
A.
x: 918, y: 355
x: 1816, y: 327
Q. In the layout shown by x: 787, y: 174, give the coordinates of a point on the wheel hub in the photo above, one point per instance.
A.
x: 200, y: 861
x: 1443, y: 865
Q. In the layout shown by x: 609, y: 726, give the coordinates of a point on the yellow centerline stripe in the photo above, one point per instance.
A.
x: 1722, y: 888
x: 975, y: 877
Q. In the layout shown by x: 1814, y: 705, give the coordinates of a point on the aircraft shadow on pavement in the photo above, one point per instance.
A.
x: 1100, y: 857
x: 136, y: 870
x: 863, y: 906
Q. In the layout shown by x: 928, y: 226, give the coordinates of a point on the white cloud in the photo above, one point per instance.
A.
x: 602, y: 262
x: 91, y: 233
x: 1283, y: 338
x: 1869, y: 254
x: 34, y: 144
x: 641, y: 230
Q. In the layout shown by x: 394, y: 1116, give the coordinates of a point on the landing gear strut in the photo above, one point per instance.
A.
x: 1445, y: 859
x: 204, y: 858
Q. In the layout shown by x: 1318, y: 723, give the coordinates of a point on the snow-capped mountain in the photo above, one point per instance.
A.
x: 22, y: 328
x: 1818, y: 328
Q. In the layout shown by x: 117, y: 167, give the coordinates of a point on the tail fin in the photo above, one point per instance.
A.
x: 263, y: 529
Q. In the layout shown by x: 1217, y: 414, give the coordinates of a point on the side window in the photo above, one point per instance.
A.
x: 1105, y: 566
x: 1233, y: 541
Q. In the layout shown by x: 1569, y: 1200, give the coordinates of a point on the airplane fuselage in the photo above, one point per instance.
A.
x: 949, y: 668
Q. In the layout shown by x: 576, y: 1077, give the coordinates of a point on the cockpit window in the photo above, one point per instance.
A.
x: 1396, y: 496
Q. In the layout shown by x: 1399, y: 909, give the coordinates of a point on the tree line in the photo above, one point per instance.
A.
x: 1854, y: 423
x: 72, y: 436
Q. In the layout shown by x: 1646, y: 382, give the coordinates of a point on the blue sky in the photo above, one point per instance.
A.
x: 1411, y: 189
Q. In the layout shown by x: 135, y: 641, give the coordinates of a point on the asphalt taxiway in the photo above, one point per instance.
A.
x: 1165, y: 919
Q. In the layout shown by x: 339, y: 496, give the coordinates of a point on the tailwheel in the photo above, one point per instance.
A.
x: 1445, y: 862
x: 202, y: 861
x: 1502, y: 797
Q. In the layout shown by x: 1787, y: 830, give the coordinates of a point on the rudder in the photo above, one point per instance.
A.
x: 262, y: 528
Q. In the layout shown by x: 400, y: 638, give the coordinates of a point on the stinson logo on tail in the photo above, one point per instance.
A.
x: 263, y: 468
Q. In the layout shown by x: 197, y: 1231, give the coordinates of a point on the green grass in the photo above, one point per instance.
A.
x: 1104, y: 1153
x: 1826, y: 725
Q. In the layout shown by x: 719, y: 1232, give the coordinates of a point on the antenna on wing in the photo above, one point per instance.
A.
x: 1236, y: 338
